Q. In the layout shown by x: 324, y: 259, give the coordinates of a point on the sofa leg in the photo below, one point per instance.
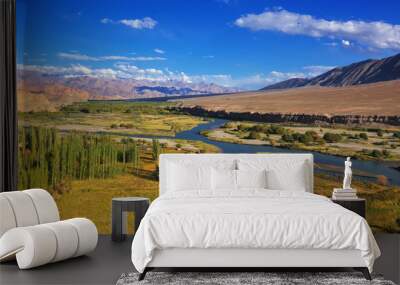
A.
x: 364, y: 271
x: 143, y: 274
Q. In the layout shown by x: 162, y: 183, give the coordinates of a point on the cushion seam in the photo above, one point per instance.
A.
x: 13, y: 210
x: 77, y: 233
x: 55, y: 235
x: 34, y: 206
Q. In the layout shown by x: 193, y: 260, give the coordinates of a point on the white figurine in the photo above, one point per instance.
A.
x: 347, y: 174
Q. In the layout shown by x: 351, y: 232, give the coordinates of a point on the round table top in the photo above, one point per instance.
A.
x: 130, y: 199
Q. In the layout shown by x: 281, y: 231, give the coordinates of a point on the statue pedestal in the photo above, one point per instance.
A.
x: 344, y: 194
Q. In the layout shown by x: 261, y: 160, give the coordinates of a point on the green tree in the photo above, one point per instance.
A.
x: 287, y: 138
x: 253, y: 135
x: 332, y: 137
x: 156, y: 150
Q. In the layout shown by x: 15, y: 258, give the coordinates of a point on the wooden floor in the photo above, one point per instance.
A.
x: 110, y: 260
x: 103, y: 266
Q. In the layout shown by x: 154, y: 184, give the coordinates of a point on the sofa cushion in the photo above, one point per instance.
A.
x: 46, y: 207
x: 7, y: 220
x: 41, y: 244
x: 23, y: 208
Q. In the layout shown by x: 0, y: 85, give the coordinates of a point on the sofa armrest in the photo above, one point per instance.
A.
x: 41, y: 244
x: 32, y: 246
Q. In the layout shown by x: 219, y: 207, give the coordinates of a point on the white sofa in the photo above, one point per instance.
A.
x: 31, y: 231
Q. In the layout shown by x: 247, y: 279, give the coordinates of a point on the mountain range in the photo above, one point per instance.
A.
x: 38, y: 91
x: 363, y: 72
x: 118, y: 88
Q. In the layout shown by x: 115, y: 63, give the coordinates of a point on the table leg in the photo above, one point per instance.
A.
x: 139, y: 214
x: 117, y: 222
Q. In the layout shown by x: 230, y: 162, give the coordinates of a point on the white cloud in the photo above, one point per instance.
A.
x: 74, y: 70
x: 106, y: 21
x: 126, y: 70
x: 84, y: 57
x: 254, y: 81
x: 208, y: 56
x: 259, y: 80
x: 76, y: 56
x: 378, y: 34
x: 331, y: 44
x: 154, y: 71
x: 135, y: 58
x: 115, y: 57
x: 160, y: 51
x: 147, y: 58
x: 346, y: 43
x: 138, y: 24
x: 145, y: 23
x: 57, y: 70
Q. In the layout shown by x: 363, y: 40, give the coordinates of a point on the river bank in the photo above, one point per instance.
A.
x: 285, y: 118
x: 373, y: 168
x: 370, y: 144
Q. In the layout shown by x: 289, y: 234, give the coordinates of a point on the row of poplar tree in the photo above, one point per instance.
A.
x: 46, y: 156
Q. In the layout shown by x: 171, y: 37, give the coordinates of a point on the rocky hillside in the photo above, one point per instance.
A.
x: 290, y: 83
x: 368, y: 71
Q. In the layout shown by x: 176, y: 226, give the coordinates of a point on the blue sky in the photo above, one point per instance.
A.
x: 241, y: 43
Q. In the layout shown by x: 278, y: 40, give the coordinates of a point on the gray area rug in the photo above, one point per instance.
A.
x: 228, y: 278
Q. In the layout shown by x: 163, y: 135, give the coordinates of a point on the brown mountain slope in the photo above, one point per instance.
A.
x: 363, y: 72
x: 381, y: 98
x: 368, y: 71
x: 47, y: 98
x: 290, y: 83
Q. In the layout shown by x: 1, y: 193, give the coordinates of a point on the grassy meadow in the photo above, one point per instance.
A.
x: 113, y: 117
x: 84, y: 156
x: 383, y: 201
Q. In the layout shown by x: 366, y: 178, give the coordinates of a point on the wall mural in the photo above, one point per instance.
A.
x: 104, y: 87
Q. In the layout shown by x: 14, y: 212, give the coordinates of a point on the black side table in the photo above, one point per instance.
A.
x: 120, y: 206
x: 355, y: 205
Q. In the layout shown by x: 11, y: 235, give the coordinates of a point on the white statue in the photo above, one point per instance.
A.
x: 347, y: 174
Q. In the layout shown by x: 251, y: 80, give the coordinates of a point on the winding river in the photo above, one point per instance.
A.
x: 371, y: 167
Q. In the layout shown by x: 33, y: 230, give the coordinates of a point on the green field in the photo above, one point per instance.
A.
x: 115, y: 117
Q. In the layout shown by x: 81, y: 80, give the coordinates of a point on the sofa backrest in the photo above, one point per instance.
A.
x: 233, y: 161
x: 26, y: 208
